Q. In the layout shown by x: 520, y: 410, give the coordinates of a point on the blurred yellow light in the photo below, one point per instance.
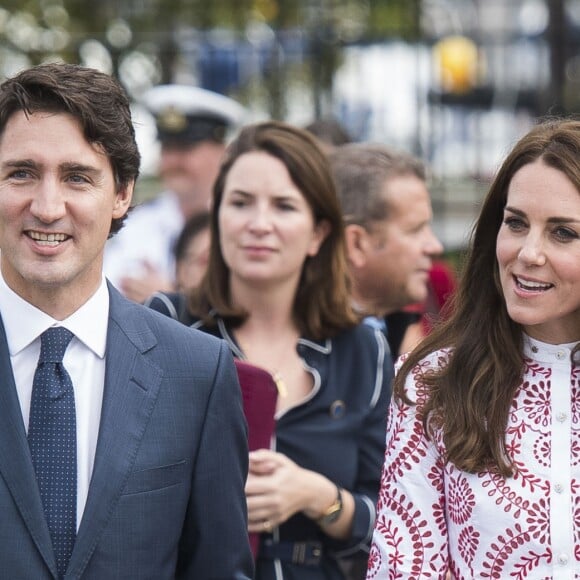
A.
x: 457, y: 58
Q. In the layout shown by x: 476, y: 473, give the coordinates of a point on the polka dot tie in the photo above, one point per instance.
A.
x: 52, y: 441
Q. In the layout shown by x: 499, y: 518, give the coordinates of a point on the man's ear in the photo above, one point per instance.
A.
x: 357, y: 244
x: 123, y: 200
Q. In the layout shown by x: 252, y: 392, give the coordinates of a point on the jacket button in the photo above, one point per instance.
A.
x: 337, y: 409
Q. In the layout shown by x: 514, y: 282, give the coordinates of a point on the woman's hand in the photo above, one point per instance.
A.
x: 277, y: 488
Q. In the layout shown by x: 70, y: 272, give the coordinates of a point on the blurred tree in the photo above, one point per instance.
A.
x: 393, y: 18
x: 558, y: 42
x: 140, y: 40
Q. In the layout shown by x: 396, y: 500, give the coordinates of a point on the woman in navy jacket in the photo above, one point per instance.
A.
x: 277, y: 291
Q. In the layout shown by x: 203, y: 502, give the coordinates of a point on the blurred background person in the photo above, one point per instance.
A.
x: 442, y: 285
x: 390, y: 241
x: 276, y: 290
x: 329, y: 132
x: 192, y: 126
x: 408, y: 325
x: 191, y: 252
x: 482, y: 447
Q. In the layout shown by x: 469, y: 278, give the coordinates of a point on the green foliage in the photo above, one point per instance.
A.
x: 393, y: 18
x: 35, y: 30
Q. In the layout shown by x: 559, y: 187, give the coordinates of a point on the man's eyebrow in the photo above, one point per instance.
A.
x: 19, y: 163
x: 67, y: 166
x: 80, y: 167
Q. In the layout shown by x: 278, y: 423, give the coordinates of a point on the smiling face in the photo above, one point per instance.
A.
x: 266, y: 227
x: 538, y: 253
x: 57, y: 200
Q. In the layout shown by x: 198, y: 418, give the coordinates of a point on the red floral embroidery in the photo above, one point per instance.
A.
x: 536, y: 402
x: 433, y: 518
x: 374, y: 562
x: 468, y: 543
x: 501, y: 551
x: 543, y: 450
x: 460, y: 499
x: 528, y: 563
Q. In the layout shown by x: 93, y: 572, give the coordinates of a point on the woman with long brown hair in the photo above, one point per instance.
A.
x: 482, y: 468
x: 276, y: 289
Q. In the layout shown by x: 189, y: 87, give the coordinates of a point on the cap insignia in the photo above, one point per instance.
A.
x: 171, y: 120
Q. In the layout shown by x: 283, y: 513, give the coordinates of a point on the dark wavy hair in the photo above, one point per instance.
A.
x: 470, y: 397
x: 322, y: 305
x: 96, y: 100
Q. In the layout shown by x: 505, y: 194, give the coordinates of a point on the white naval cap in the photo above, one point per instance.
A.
x: 188, y: 114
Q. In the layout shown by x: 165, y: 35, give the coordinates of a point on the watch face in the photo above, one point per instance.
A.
x: 332, y: 517
x: 333, y: 512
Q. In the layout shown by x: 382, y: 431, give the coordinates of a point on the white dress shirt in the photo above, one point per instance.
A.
x: 84, y: 360
x: 148, y: 236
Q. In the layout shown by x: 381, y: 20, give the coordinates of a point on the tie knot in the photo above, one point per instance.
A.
x: 53, y: 343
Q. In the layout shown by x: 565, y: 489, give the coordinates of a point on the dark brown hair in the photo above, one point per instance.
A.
x: 96, y: 100
x: 195, y: 225
x: 322, y: 303
x: 470, y: 396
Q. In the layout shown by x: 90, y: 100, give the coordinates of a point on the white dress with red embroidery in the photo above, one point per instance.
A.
x: 433, y: 518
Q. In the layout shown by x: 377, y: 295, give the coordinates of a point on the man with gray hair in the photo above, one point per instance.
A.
x: 390, y: 242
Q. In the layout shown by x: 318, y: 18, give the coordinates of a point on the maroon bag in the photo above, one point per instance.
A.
x: 259, y: 395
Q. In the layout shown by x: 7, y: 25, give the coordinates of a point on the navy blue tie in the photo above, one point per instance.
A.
x: 52, y: 441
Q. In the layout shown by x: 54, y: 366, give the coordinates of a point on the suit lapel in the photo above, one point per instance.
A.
x: 15, y: 461
x: 131, y: 388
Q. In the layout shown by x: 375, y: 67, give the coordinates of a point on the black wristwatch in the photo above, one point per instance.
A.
x: 333, y: 512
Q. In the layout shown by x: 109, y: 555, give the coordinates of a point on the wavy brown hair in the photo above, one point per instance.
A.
x: 322, y: 305
x: 470, y: 396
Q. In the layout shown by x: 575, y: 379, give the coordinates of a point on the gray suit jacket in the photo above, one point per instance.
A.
x: 166, y: 499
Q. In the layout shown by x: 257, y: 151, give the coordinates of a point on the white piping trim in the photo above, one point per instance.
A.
x: 166, y: 302
x: 382, y: 349
x: 326, y: 348
x: 316, y: 387
x: 231, y: 342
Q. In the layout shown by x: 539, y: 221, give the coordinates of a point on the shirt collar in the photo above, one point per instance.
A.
x: 376, y: 322
x: 24, y: 323
x: 542, y: 351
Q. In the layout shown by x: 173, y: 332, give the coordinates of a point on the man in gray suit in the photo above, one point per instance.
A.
x: 156, y: 487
